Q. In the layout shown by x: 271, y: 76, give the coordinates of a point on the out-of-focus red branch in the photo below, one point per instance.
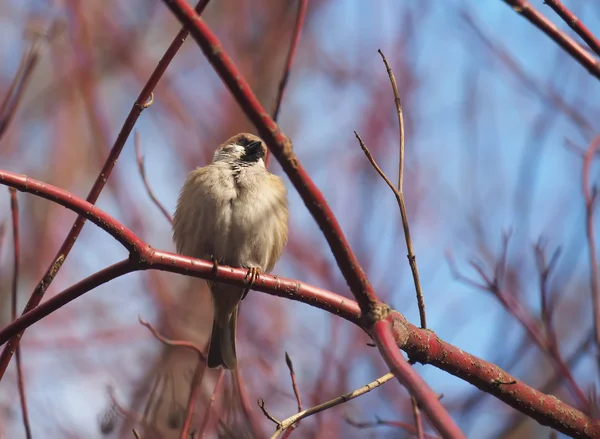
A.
x: 437, y: 414
x: 381, y: 422
x: 17, y: 87
x: 421, y: 345
x: 14, y: 207
x: 574, y: 23
x: 590, y: 198
x: 571, y: 46
x: 139, y: 105
x: 288, y: 62
x: 529, y: 323
x: 290, y: 56
x: 142, y: 171
x: 208, y: 411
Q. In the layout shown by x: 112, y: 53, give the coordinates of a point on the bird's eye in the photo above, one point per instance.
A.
x: 245, y: 142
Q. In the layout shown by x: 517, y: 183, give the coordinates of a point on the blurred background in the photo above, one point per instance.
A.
x: 497, y: 117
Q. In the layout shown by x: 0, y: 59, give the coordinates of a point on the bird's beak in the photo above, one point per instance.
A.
x: 253, y: 148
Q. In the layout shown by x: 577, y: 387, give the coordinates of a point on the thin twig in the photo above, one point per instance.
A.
x: 412, y: 260
x: 417, y: 416
x: 142, y: 170
x: 245, y: 401
x: 385, y: 423
x: 287, y: 423
x: 290, y: 56
x: 574, y: 23
x: 290, y: 366
x: 14, y: 207
x: 590, y: 198
x: 177, y: 343
x: 213, y: 398
x: 398, y: 103
x: 302, y: 4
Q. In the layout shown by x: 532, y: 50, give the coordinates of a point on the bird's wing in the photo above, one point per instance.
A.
x: 192, y: 222
x: 280, y: 221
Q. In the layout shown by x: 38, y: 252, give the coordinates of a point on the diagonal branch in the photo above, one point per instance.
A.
x: 572, y: 47
x: 574, y: 23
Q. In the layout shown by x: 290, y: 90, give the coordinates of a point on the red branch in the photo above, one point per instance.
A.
x: 421, y: 345
x: 139, y: 105
x: 573, y: 21
x: 438, y: 416
x: 571, y: 46
x: 14, y: 207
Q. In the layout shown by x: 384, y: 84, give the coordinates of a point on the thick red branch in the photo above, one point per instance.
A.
x: 575, y: 24
x: 420, y: 345
x: 438, y: 416
x: 572, y: 47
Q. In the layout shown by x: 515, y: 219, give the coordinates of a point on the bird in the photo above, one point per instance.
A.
x: 234, y: 212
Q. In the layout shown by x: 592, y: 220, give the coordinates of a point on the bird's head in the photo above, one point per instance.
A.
x: 243, y: 149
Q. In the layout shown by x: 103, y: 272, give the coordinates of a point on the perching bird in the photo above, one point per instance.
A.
x: 235, y: 212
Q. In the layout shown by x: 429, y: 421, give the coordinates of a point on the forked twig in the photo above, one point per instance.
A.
x: 412, y: 260
x: 287, y: 423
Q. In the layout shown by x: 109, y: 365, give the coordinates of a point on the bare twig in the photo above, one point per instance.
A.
x: 142, y: 170
x: 290, y: 366
x: 14, y: 207
x: 381, y: 422
x: 289, y: 422
x: 412, y: 260
x: 574, y: 23
x: 590, y: 198
x: 176, y: 343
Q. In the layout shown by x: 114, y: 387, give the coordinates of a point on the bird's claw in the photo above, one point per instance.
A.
x: 252, y: 276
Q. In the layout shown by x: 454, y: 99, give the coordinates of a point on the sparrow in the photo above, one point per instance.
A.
x: 233, y: 212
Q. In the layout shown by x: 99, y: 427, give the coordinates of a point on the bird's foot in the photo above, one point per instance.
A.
x: 251, y: 276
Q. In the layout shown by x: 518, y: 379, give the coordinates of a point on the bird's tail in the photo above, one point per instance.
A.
x: 221, y: 351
